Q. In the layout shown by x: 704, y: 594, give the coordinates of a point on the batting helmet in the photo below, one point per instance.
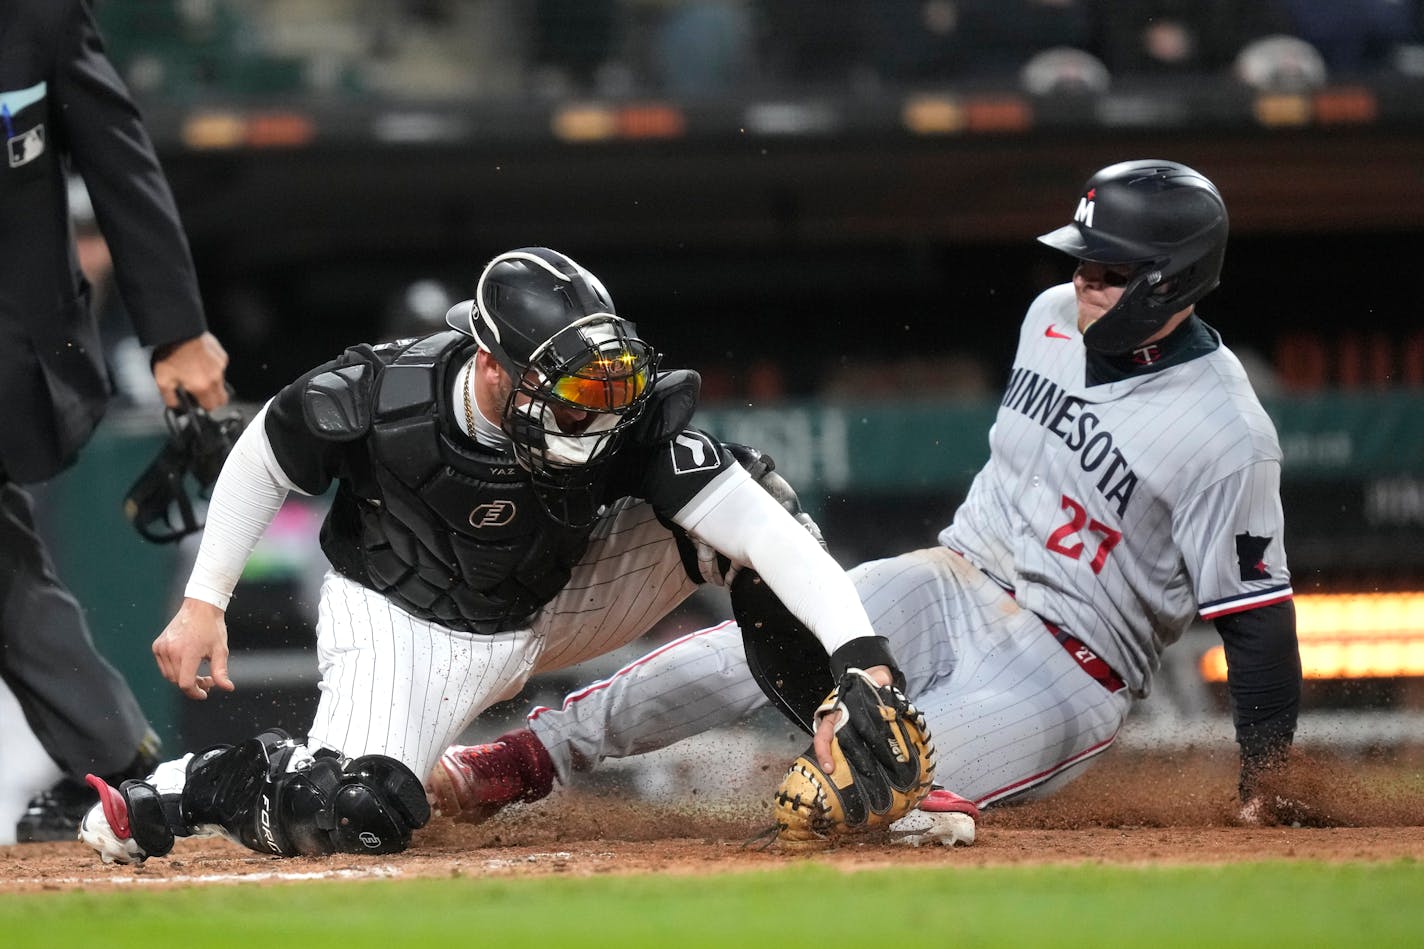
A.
x: 552, y: 326
x: 1165, y: 220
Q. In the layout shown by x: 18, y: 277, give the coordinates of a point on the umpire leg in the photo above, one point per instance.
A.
x: 79, y: 707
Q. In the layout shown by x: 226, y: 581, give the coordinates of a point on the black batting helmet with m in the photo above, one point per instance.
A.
x: 1165, y: 220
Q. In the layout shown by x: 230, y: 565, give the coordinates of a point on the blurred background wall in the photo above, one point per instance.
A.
x: 826, y: 207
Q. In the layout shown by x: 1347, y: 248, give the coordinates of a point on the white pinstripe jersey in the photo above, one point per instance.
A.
x: 1120, y: 511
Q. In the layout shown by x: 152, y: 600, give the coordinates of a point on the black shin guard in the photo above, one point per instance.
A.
x: 322, y: 805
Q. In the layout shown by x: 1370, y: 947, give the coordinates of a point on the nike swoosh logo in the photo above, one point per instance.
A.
x: 1052, y: 333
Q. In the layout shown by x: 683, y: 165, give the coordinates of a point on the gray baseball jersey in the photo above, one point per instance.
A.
x: 1121, y: 511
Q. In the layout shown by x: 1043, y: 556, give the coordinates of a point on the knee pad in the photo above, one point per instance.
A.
x: 377, y: 805
x: 368, y: 805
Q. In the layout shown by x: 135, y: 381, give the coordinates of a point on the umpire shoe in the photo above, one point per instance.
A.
x: 471, y: 783
x: 943, y: 817
x: 55, y: 813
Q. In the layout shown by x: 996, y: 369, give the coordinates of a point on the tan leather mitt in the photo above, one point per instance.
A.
x: 884, y: 765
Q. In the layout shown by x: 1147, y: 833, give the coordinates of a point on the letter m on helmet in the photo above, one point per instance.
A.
x: 1084, y: 214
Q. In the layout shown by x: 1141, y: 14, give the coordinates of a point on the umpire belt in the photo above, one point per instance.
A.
x: 1091, y: 662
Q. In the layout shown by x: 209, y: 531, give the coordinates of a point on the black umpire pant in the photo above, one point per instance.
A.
x: 79, y: 707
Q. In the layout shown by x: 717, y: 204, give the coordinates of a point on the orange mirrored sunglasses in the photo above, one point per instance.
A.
x: 605, y: 383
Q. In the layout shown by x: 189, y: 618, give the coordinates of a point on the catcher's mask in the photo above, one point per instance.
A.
x: 1162, y: 219
x: 161, y: 503
x: 580, y: 374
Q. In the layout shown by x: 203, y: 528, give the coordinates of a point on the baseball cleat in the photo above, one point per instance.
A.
x: 106, y: 826
x: 943, y: 817
x: 472, y: 783
x: 55, y: 813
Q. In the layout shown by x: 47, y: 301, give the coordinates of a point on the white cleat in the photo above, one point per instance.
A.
x: 106, y: 827
x: 943, y: 817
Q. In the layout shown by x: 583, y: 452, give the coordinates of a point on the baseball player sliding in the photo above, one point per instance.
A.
x: 514, y: 495
x: 1132, y: 485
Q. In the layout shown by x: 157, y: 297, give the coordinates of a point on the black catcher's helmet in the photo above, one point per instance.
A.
x: 552, y: 326
x: 1165, y: 219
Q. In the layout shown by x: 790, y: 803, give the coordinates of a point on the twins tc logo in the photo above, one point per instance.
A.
x: 1086, y: 205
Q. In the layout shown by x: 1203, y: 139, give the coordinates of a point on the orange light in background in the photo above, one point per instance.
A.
x: 1334, y: 615
x: 1350, y: 636
x: 280, y: 130
x: 999, y: 114
x: 585, y: 123
x: 654, y: 120
x: 599, y: 123
x: 1278, y: 110
x: 1350, y: 105
x: 933, y: 115
x: 205, y: 131
x: 214, y: 130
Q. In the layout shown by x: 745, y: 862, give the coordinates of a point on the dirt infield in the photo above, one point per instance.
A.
x: 1132, y: 809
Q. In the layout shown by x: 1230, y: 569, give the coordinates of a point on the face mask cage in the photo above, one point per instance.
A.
x: 571, y: 411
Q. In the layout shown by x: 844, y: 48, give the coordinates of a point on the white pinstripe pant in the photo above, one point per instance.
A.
x: 400, y: 686
x: 1011, y: 712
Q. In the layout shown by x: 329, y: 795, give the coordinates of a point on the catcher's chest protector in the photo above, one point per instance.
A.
x: 454, y: 534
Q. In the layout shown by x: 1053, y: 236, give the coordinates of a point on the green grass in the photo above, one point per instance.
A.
x: 1254, y: 905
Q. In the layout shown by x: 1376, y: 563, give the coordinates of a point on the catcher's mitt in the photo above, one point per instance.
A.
x: 884, y: 764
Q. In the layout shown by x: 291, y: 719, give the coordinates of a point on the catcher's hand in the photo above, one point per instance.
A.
x: 883, y: 760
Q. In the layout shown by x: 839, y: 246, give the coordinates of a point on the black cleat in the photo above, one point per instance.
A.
x: 55, y: 813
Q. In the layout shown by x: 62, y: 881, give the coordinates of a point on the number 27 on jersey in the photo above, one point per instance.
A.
x: 1068, y: 539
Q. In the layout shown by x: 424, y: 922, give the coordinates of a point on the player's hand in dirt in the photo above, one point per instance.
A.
x: 198, y: 632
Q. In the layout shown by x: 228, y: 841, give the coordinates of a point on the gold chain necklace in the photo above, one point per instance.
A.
x: 469, y: 409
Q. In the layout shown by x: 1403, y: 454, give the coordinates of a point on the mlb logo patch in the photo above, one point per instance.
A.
x: 26, y: 147
x: 1251, y: 556
x: 693, y: 451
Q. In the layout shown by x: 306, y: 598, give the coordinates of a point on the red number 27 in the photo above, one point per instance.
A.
x: 1077, y: 520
